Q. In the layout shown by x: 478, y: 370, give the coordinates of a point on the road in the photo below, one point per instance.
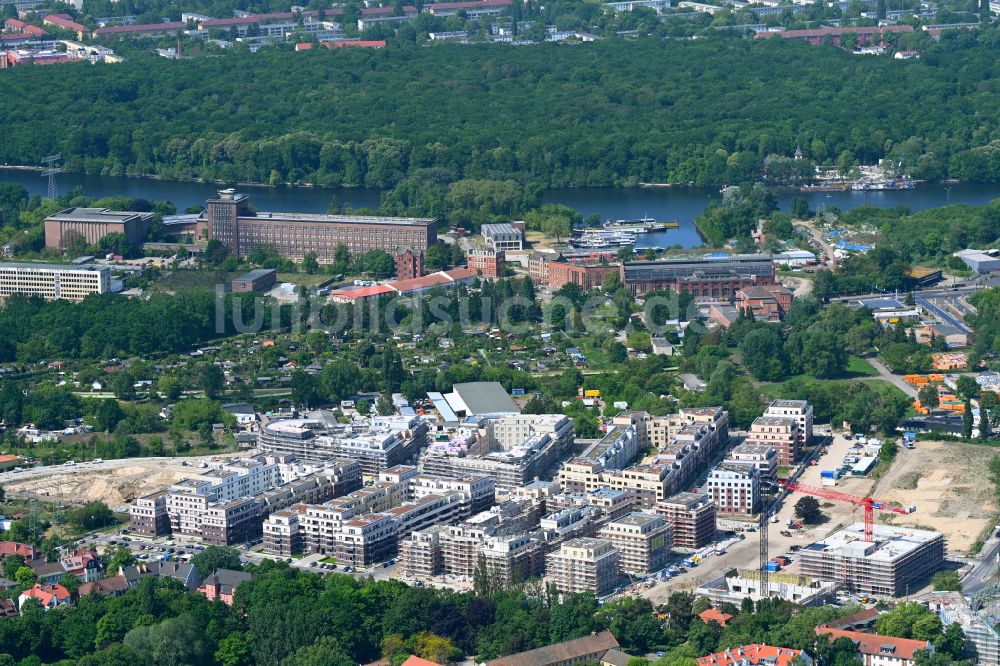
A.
x: 933, y: 305
x: 895, y: 380
x: 985, y: 569
x: 817, y: 237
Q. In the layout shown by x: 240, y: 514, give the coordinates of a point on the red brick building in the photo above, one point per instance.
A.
x: 583, y: 275
x: 865, y: 35
x: 767, y: 303
x: 709, y: 279
x: 409, y: 263
x: 486, y: 262
x: 232, y: 221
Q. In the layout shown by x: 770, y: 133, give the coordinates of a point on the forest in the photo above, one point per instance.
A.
x: 612, y: 112
x: 283, y: 617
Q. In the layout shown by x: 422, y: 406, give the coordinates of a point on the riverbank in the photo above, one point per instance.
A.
x: 681, y: 203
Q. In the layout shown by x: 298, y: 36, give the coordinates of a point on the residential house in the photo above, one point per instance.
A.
x: 751, y: 655
x: 8, y: 608
x: 49, y: 596
x: 185, y: 574
x: 105, y: 587
x: 576, y: 651
x: 222, y: 584
x: 878, y: 650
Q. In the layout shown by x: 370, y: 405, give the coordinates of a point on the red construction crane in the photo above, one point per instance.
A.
x: 870, y: 504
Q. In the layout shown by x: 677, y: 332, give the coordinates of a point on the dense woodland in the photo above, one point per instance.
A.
x: 288, y: 618
x: 606, y: 113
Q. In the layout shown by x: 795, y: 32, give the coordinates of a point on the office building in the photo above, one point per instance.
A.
x: 800, y: 410
x: 90, y: 225
x: 897, y: 561
x: 52, y: 281
x: 734, y: 488
x: 584, y: 565
x: 691, y: 517
x: 709, y: 279
x: 778, y: 432
x: 642, y: 541
x: 505, y: 236
x: 230, y: 219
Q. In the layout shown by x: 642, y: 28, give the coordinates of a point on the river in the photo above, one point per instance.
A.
x: 682, y: 204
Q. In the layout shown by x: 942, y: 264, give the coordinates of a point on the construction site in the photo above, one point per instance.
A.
x: 893, y: 562
x: 947, y: 483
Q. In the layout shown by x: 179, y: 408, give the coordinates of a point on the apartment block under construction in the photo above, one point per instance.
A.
x: 691, y: 517
x: 584, y: 565
x: 899, y: 560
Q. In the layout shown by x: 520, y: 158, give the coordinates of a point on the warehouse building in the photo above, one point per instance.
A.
x: 709, y: 279
x: 260, y: 279
x: 980, y: 262
x: 92, y: 224
x: 897, y: 561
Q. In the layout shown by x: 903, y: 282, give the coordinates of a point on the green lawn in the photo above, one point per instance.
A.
x: 303, y: 278
x: 773, y: 390
x: 859, y: 367
x: 190, y: 279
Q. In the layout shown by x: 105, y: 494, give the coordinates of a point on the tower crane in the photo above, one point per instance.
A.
x: 870, y: 505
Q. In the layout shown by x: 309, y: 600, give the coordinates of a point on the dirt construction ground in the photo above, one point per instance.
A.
x: 949, y: 485
x: 114, y: 482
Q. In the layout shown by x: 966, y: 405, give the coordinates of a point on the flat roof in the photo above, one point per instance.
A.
x: 891, y: 542
x: 97, y: 215
x: 53, y: 267
x: 341, y: 219
x: 482, y: 398
x: 638, y: 518
x: 256, y: 274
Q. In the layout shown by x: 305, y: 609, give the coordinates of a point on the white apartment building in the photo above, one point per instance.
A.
x: 53, y: 281
x: 800, y: 410
x: 734, y: 488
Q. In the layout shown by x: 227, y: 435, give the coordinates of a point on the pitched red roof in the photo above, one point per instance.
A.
x: 834, y: 32
x: 303, y: 46
x: 47, y: 593
x: 714, y: 614
x: 359, y: 43
x: 16, y: 548
x: 751, y: 654
x: 559, y: 653
x: 144, y: 27
x: 876, y: 644
x: 65, y: 21
x: 417, y: 661
x: 473, y: 4
x: 361, y: 292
